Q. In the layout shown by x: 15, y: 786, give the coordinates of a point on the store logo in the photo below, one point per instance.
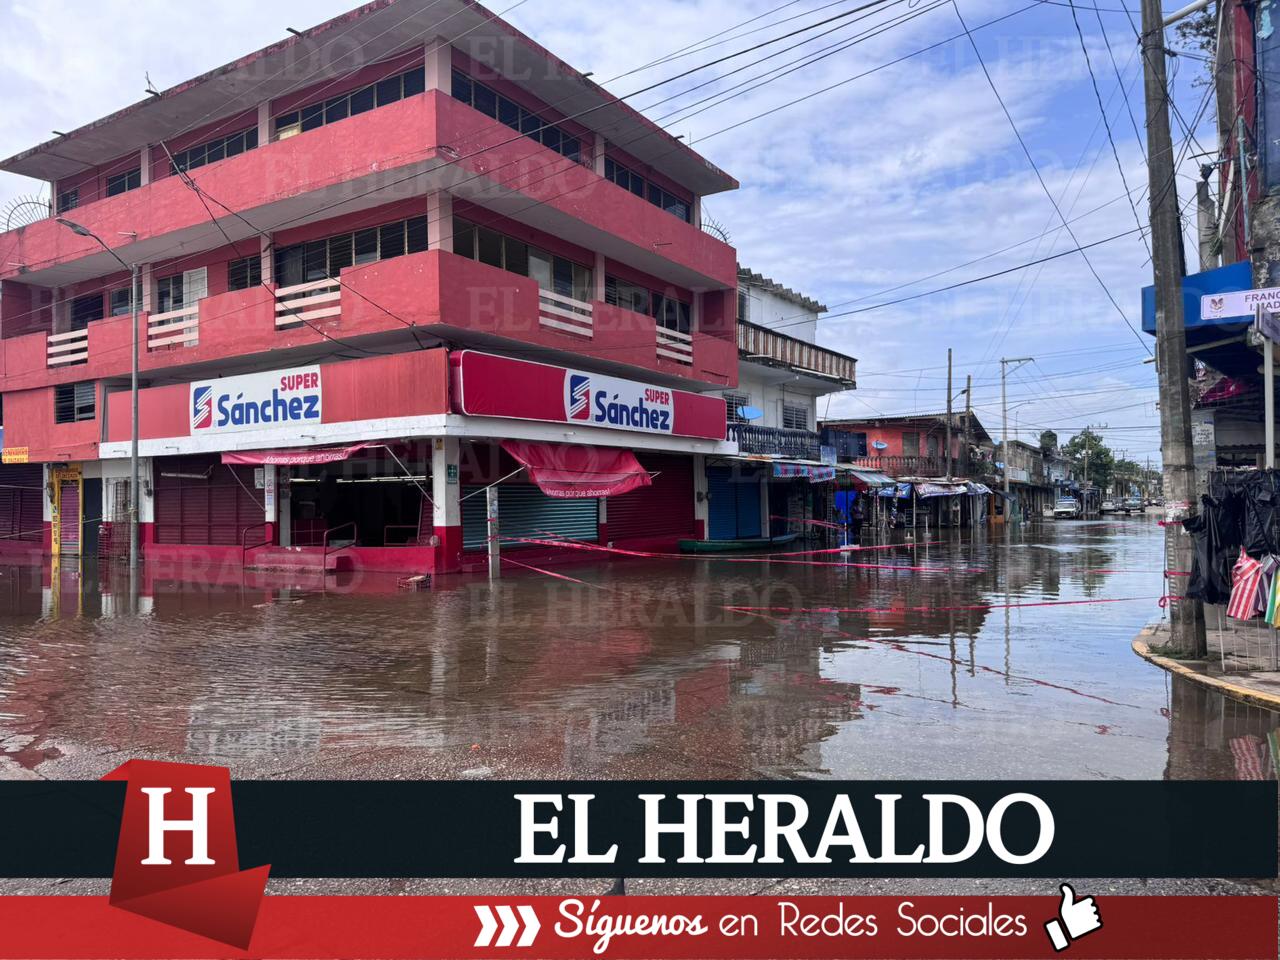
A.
x: 202, y: 408
x: 579, y: 397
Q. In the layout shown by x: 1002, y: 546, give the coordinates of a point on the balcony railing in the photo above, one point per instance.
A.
x: 68, y: 348
x: 764, y: 345
x: 674, y: 345
x: 908, y: 466
x: 308, y: 302
x: 174, y: 327
x: 776, y: 441
x: 565, y: 314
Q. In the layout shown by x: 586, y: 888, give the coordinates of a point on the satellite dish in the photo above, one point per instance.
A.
x: 750, y: 413
x: 880, y: 445
x: 24, y: 211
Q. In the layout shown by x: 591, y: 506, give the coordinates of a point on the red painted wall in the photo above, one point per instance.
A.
x: 29, y: 423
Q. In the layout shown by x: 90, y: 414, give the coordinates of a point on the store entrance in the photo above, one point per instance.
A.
x: 375, y: 499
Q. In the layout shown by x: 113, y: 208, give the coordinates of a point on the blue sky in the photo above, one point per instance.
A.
x: 875, y: 190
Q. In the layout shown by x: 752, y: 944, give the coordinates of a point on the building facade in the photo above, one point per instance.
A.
x: 368, y: 290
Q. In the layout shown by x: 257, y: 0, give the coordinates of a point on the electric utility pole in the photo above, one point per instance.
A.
x: 1186, y: 617
x: 948, y: 413
x: 1004, y: 416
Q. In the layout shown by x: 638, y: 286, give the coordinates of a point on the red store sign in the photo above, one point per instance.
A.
x: 485, y: 385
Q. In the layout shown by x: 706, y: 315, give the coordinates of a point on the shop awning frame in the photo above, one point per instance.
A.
x: 579, y: 471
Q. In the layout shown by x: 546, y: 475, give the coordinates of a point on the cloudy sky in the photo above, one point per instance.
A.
x: 886, y: 181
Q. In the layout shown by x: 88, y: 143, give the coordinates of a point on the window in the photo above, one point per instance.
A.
x: 73, y: 402
x: 68, y: 200
x: 931, y: 444
x: 379, y: 94
x: 733, y: 402
x: 318, y: 259
x: 742, y: 306
x: 122, y: 182
x: 668, y: 311
x: 244, y: 273
x: 215, y: 150
x: 169, y: 293
x: 86, y: 309
x: 795, y: 417
x: 559, y: 274
x: 507, y: 111
x: 121, y: 304
x: 672, y: 314
x: 630, y: 180
x: 910, y: 444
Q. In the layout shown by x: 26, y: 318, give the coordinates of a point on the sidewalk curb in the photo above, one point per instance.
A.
x: 1225, y: 687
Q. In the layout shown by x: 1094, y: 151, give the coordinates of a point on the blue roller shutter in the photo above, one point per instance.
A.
x: 735, y: 503
x: 525, y: 511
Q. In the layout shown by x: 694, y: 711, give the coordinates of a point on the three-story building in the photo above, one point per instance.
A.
x: 384, y: 264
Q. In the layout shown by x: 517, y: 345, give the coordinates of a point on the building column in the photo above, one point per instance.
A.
x: 602, y: 522
x: 598, y: 277
x: 597, y: 156
x: 446, y: 504
x: 695, y: 212
x: 440, y: 221
x: 268, y: 267
x: 701, y: 502
x: 264, y: 123
x: 144, y: 279
x: 439, y: 64
x: 144, y: 165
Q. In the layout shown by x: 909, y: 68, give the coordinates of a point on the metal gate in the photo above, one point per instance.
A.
x: 525, y: 511
x: 662, y: 509
x: 66, y: 509
x: 22, y: 502
x: 735, y: 502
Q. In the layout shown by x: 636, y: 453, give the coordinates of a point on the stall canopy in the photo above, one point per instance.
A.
x: 867, y: 479
x: 571, y: 471
x: 302, y: 456
x: 929, y: 489
x: 815, y: 473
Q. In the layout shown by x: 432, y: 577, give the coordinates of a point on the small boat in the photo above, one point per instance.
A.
x: 729, y: 546
x: 1066, y: 509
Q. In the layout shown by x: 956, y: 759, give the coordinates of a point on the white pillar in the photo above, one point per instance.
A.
x: 597, y: 156
x: 439, y: 64
x: 144, y: 165
x: 446, y: 514
x: 268, y: 268
x: 701, y: 504
x: 264, y: 123
x: 598, y: 276
x: 440, y: 221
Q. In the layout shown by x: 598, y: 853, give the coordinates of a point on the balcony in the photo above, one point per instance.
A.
x: 908, y: 466
x: 772, y: 348
x: 776, y: 441
x: 366, y: 161
x: 421, y: 295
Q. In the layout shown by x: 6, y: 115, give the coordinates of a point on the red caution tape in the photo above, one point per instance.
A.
x: 932, y: 609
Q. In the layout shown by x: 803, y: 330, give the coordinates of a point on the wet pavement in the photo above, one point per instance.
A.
x: 974, y: 656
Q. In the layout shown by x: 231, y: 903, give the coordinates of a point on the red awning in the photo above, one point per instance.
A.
x: 570, y: 471
x: 298, y: 457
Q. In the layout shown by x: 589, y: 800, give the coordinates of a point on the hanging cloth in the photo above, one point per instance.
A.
x: 1244, y: 587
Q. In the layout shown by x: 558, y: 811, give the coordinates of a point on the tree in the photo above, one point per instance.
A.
x: 1101, y: 461
x: 1048, y: 441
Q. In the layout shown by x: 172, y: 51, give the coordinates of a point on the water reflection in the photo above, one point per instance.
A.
x: 990, y: 657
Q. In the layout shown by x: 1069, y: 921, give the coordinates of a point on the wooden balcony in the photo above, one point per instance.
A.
x: 771, y: 347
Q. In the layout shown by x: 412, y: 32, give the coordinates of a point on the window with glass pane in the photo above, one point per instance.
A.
x: 315, y: 260
x: 244, y: 273
x: 489, y: 246
x: 540, y: 267
x: 416, y: 239
x: 341, y: 254
x: 461, y: 87
x: 366, y: 246
x: 391, y: 241
x: 288, y: 266
x: 169, y: 293
x: 388, y: 90
x: 121, y: 305
x: 910, y: 444
x: 516, y: 256
x: 464, y: 238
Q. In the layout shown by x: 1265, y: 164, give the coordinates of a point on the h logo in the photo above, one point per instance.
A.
x: 197, y: 826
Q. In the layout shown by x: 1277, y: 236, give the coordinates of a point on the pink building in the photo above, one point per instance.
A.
x: 384, y: 263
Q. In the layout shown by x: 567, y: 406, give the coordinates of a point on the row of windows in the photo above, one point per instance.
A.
x: 318, y: 259
x: 559, y: 274
x: 73, y: 402
x: 241, y: 274
x: 507, y: 111
x: 121, y: 182
x: 379, y: 94
x: 669, y: 312
x: 630, y: 180
x: 215, y: 150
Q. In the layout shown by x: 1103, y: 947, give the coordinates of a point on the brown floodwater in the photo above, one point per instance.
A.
x: 996, y: 656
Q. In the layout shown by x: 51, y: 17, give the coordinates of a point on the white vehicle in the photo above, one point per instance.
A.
x: 1066, y: 509
x: 1108, y: 506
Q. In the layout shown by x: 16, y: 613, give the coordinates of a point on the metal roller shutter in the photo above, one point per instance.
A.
x: 664, y: 509
x: 525, y: 511
x: 199, y: 501
x: 22, y: 502
x: 69, y: 516
x: 735, y: 503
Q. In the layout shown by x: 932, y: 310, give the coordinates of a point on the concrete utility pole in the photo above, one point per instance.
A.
x: 948, y: 413
x: 1186, y: 617
x: 1004, y: 416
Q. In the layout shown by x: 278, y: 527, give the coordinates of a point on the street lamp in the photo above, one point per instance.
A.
x: 83, y: 231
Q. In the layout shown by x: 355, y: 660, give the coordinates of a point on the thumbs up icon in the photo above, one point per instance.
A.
x: 1078, y: 917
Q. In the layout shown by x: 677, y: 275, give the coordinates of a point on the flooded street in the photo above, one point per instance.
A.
x: 992, y: 658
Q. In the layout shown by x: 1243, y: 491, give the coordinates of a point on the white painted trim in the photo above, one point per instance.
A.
x: 433, y: 425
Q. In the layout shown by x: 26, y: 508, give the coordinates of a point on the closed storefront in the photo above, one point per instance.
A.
x: 22, y: 502
x: 200, y: 500
x: 525, y: 511
x: 662, y: 510
x: 69, y: 515
x: 735, y: 502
